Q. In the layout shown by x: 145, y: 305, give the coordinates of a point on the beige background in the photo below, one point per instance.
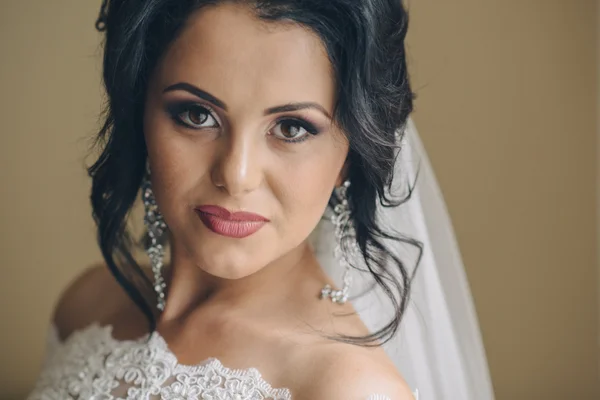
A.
x: 507, y: 109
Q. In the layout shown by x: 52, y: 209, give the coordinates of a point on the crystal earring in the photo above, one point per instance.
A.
x: 156, y: 227
x: 345, y: 244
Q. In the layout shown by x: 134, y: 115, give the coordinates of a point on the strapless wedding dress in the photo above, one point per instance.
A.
x: 92, y: 365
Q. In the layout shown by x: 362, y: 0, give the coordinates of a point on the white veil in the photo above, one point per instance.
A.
x: 438, y: 348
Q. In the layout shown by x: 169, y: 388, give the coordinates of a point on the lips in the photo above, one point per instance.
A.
x: 231, y: 224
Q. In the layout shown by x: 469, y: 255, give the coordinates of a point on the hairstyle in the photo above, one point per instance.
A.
x: 364, y: 41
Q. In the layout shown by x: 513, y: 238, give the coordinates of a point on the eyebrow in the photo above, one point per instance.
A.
x: 196, y: 92
x: 219, y: 103
x: 297, y: 106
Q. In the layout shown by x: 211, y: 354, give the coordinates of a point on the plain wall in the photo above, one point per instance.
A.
x: 598, y: 160
x: 507, y: 112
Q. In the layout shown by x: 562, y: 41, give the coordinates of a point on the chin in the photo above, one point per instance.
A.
x: 230, y: 263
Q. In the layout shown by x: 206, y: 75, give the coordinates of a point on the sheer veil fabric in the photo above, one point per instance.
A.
x: 438, y: 347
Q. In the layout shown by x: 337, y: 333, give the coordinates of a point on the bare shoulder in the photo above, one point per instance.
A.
x: 350, y: 372
x: 93, y: 296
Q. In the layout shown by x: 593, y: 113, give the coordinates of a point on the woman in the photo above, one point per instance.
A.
x: 242, y: 123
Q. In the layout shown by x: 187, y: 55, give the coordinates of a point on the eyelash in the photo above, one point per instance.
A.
x: 175, y: 111
x: 298, y: 122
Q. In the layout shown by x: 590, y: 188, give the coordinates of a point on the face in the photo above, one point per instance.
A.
x: 243, y: 153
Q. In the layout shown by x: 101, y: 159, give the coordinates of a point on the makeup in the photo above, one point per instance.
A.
x: 231, y: 224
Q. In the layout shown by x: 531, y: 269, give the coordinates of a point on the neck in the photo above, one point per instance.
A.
x: 191, y: 288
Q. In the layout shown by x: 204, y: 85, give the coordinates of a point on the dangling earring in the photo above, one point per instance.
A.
x: 156, y: 227
x: 345, y: 244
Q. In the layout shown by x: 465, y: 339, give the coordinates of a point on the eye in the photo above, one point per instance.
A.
x: 294, y: 130
x: 194, y: 116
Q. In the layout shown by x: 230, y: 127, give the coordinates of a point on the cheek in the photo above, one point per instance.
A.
x: 175, y: 163
x: 307, y: 186
x: 165, y: 160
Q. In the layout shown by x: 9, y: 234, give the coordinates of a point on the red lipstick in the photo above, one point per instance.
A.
x: 231, y: 224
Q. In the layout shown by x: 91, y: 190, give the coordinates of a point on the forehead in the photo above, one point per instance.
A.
x: 229, y: 52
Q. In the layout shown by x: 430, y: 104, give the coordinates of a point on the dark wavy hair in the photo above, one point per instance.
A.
x: 364, y: 40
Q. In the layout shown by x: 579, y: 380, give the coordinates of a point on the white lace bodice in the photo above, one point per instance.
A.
x: 92, y: 364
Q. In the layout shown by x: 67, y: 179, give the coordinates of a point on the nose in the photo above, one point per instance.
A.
x: 237, y: 168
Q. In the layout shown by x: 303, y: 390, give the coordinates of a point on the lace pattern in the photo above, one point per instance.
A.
x: 92, y: 364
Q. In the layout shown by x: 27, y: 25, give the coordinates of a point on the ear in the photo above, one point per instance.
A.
x: 343, y: 174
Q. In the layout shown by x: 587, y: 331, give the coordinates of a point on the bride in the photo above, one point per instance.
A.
x: 264, y: 138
